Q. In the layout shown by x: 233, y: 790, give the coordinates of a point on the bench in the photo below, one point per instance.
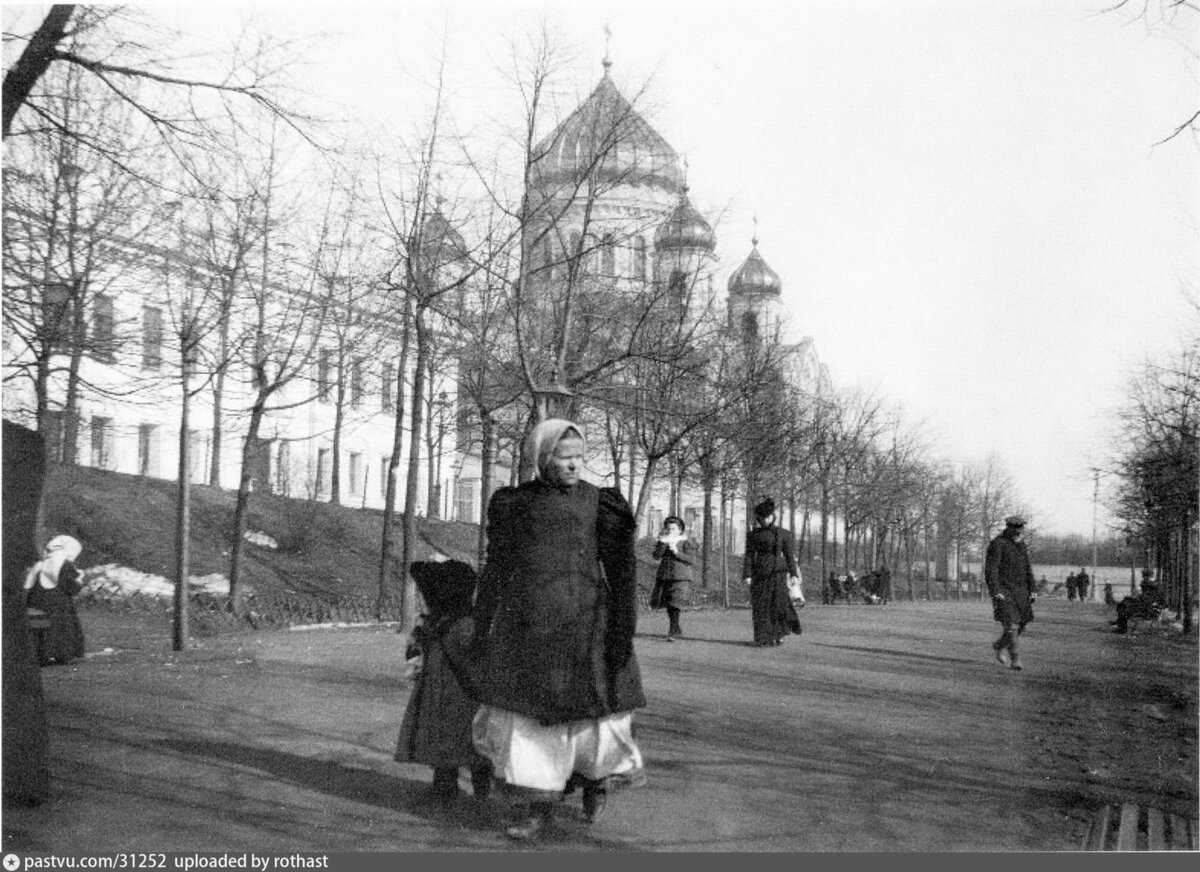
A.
x: 1131, y: 827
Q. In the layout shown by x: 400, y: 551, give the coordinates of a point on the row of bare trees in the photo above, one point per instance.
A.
x: 1154, y: 470
x: 276, y: 253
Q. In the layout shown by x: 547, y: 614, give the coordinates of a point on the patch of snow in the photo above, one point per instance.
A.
x: 261, y: 539
x: 343, y: 625
x: 122, y: 580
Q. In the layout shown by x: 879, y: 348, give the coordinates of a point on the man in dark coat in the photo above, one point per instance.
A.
x: 1083, y: 583
x: 554, y: 621
x: 1010, y: 582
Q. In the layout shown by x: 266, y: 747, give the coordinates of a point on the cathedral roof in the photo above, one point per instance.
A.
x: 754, y: 276
x: 607, y: 136
x: 685, y: 228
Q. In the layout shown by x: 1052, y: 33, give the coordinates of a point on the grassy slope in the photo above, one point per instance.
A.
x: 325, y: 550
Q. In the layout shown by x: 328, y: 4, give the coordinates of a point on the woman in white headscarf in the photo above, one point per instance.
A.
x: 50, y: 586
x: 555, y: 618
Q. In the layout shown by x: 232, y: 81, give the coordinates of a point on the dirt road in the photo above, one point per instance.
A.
x: 880, y: 728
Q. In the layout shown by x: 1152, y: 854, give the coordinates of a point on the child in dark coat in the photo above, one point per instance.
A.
x: 436, y: 729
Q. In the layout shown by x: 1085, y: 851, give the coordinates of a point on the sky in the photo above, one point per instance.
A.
x: 963, y: 198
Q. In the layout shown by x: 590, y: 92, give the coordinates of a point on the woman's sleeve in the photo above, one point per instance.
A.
x: 683, y: 552
x: 659, y: 550
x: 68, y: 578
x: 615, y: 535
x: 747, y: 562
x: 496, y: 569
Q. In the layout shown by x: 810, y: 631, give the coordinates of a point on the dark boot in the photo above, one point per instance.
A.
x: 481, y: 783
x: 1013, y: 657
x: 527, y: 821
x: 1000, y: 646
x: 674, y: 629
x: 595, y: 800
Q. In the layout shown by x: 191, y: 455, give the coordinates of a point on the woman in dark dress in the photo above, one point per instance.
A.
x: 766, y: 566
x: 674, y: 576
x: 554, y: 625
x: 50, y: 587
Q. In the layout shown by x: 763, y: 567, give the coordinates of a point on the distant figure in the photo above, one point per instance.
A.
x: 766, y: 566
x: 1082, y: 585
x: 1109, y: 599
x: 50, y: 587
x: 1009, y: 578
x: 850, y: 587
x: 1042, y: 585
x: 1146, y: 604
x: 1071, y: 587
x: 833, y: 589
x: 25, y: 735
x: 674, y: 575
x: 436, y: 729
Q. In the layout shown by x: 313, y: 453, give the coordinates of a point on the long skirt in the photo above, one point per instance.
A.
x: 771, y: 609
x: 436, y: 729
x: 62, y: 641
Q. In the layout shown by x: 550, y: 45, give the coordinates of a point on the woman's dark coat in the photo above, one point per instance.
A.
x: 62, y: 641
x: 768, y: 562
x: 555, y: 630
x: 673, y: 581
x: 1007, y: 570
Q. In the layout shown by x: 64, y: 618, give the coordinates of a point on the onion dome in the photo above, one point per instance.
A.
x: 684, y: 229
x: 605, y: 139
x: 754, y: 276
x: 440, y: 242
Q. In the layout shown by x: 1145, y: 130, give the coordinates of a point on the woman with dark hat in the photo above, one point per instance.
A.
x: 674, y: 574
x: 766, y: 566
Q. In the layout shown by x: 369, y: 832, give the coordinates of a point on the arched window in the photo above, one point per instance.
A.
x: 639, y: 258
x: 608, y: 257
x: 749, y: 327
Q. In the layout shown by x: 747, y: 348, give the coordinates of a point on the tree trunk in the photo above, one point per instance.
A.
x: 35, y: 59
x: 487, y: 436
x: 643, y: 499
x: 339, y: 417
x: 183, y: 512
x: 408, y: 617
x: 242, y: 507
x: 389, y: 500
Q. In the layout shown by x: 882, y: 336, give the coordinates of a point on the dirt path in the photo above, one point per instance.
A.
x: 886, y: 728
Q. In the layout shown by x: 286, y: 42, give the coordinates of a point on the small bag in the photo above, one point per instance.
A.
x: 795, y: 589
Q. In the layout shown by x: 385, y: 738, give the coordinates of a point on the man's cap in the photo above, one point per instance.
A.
x: 1014, y: 521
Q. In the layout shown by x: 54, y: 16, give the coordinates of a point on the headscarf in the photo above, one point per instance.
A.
x: 58, y: 551
x: 542, y: 439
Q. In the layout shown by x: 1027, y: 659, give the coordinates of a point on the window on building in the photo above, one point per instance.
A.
x: 548, y: 257
x: 324, y: 473
x: 749, y: 327
x: 53, y: 421
x: 466, y: 497
x: 383, y: 474
x: 325, y: 376
x: 576, y: 255
x: 356, y: 473
x: 102, y: 442
x: 260, y: 465
x: 385, y: 388
x: 148, y: 449
x: 608, y: 257
x: 639, y: 258
x: 152, y: 337
x: 198, y: 446
x: 56, y: 308
x: 356, y: 382
x: 103, y: 346
x: 283, y: 468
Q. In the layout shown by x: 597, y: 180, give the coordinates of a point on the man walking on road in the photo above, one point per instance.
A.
x: 1009, y: 578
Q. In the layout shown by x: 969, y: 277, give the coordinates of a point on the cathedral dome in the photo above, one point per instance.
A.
x: 607, y: 140
x: 754, y: 276
x: 685, y: 228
